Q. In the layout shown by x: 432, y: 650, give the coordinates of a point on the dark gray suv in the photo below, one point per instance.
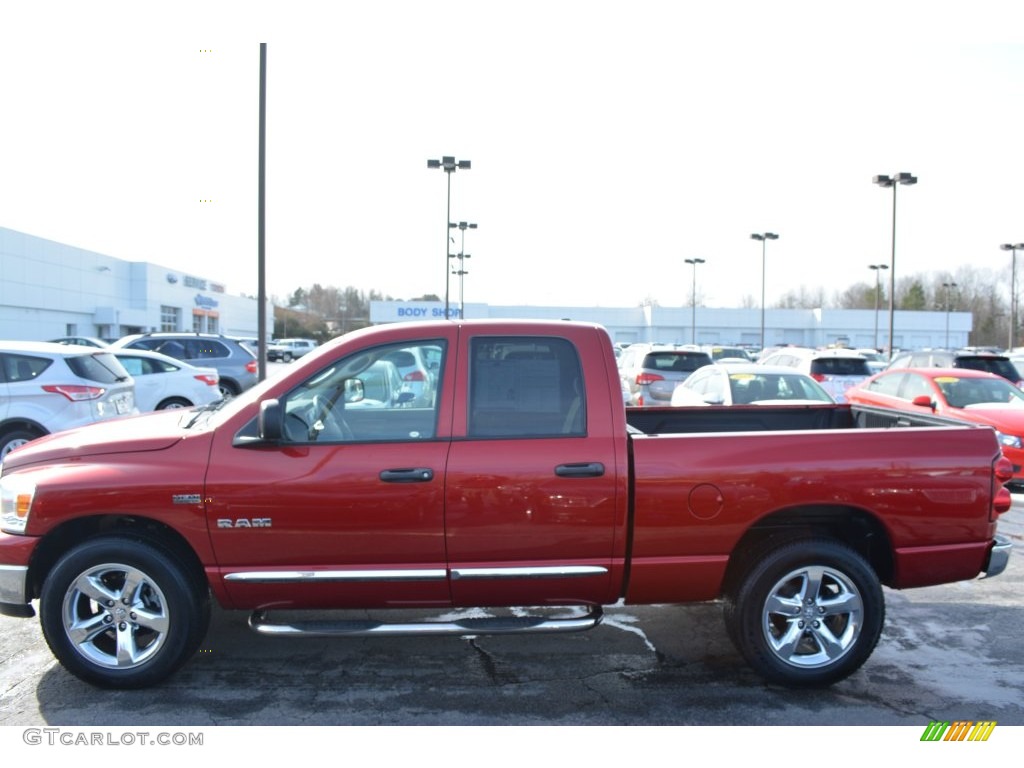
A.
x: 235, y: 362
x: 1000, y: 365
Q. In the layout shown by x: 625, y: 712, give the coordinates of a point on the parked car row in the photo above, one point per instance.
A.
x: 46, y: 387
x: 65, y: 383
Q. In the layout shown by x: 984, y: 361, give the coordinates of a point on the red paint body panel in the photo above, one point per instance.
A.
x: 493, y: 522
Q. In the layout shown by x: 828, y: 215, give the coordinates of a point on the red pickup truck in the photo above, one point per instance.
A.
x: 520, y: 481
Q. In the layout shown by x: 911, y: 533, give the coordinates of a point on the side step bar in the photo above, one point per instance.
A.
x: 260, y: 622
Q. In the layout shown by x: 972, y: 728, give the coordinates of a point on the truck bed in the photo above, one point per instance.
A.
x: 780, y: 418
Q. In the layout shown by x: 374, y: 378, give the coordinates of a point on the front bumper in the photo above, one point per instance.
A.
x: 998, y: 557
x: 13, y: 591
x: 15, y: 553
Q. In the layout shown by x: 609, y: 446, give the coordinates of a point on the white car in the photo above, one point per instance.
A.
x: 46, y: 387
x: 749, y: 384
x: 163, y: 382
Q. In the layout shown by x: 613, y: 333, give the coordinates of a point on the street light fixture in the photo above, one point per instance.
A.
x: 693, y: 295
x: 764, y: 238
x: 893, y: 181
x: 461, y: 256
x: 878, y: 285
x: 1013, y: 291
x: 449, y: 165
x: 947, y: 286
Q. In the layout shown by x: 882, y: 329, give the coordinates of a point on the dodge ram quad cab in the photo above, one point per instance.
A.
x: 522, y: 482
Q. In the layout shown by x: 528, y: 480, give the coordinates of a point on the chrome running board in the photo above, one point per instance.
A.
x: 260, y: 622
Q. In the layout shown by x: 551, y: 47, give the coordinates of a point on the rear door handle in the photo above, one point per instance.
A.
x: 411, y: 475
x: 583, y: 469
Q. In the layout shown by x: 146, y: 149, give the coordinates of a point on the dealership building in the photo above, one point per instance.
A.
x: 857, y: 328
x: 49, y: 289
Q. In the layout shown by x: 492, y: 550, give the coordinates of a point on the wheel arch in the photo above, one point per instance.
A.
x: 852, y: 526
x: 19, y: 422
x: 74, y: 532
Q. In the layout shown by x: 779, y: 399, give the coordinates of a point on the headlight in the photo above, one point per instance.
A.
x: 16, y: 495
x: 1010, y: 441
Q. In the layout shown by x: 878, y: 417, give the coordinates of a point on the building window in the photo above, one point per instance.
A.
x: 197, y: 323
x: 169, y: 318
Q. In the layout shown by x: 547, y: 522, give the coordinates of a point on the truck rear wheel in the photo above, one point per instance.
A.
x: 118, y: 612
x: 808, y: 613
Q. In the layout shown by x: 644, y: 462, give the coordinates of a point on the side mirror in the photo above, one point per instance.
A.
x: 270, y: 422
x: 354, y: 390
x: 924, y: 401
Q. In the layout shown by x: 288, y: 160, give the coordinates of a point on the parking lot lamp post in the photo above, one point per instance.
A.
x: 764, y: 238
x: 878, y: 287
x: 947, y: 286
x: 693, y: 295
x: 893, y: 181
x: 461, y: 256
x: 1013, y: 291
x: 449, y: 165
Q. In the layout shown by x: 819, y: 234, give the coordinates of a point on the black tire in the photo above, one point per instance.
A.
x: 15, y: 439
x: 287, y: 357
x: 228, y: 389
x: 174, y: 402
x: 118, y: 612
x: 808, y: 613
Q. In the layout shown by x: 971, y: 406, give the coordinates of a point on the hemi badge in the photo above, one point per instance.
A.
x: 186, y: 498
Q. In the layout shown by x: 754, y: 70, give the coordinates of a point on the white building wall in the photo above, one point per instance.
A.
x: 49, y: 288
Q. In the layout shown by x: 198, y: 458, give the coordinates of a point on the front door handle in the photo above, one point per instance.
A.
x: 583, y: 469
x: 411, y: 475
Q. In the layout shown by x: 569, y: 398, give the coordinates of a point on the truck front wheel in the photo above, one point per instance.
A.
x: 118, y: 612
x: 808, y: 613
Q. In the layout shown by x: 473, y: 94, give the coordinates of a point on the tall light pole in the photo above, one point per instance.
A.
x: 947, y: 286
x: 764, y: 238
x: 1013, y: 291
x: 461, y: 256
x: 693, y: 295
x: 449, y: 165
x: 893, y: 181
x: 878, y: 286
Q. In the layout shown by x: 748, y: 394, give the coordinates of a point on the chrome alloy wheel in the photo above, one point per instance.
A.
x: 813, y: 615
x: 115, y: 616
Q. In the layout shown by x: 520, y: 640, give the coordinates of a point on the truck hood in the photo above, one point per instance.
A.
x: 149, y: 432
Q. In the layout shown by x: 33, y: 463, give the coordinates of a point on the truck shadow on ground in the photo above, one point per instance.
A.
x: 652, y: 665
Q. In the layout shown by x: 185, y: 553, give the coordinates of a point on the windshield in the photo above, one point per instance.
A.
x: 965, y: 392
x: 751, y: 388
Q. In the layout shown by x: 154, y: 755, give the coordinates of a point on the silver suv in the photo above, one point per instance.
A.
x: 235, y: 363
x: 651, y: 373
x: 47, y: 387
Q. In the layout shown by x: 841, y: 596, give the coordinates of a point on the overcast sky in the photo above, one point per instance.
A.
x: 609, y: 141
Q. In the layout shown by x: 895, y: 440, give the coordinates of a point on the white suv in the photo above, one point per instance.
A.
x: 835, y: 369
x: 48, y: 387
x: 289, y: 349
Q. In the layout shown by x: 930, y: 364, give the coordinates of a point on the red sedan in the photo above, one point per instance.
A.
x: 959, y: 393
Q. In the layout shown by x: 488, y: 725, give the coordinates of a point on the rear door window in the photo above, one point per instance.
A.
x: 103, y: 368
x: 525, y: 387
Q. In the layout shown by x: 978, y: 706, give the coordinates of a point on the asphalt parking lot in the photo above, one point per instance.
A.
x: 947, y: 653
